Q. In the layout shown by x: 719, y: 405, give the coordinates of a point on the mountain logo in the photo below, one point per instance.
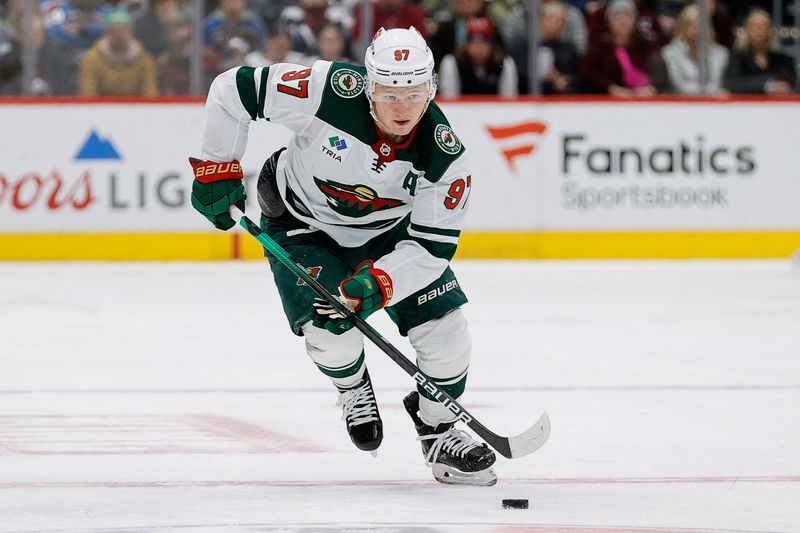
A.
x: 516, y: 139
x: 96, y: 147
x: 354, y: 200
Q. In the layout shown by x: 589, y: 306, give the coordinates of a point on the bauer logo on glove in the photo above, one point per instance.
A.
x: 366, y: 291
x: 217, y: 187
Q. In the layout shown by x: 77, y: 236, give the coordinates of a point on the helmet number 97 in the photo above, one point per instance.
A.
x: 456, y: 193
x: 401, y: 54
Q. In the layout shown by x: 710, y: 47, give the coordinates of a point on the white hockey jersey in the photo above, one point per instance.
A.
x: 338, y: 173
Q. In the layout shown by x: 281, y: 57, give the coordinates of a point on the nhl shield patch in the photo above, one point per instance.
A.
x: 446, y: 139
x: 347, y: 83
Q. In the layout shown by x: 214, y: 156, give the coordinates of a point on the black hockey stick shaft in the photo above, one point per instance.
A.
x: 508, y: 447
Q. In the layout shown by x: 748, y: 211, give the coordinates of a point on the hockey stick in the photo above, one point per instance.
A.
x: 511, y: 447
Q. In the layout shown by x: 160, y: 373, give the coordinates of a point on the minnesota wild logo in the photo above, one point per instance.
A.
x: 354, y: 200
x: 446, y: 139
x: 347, y: 83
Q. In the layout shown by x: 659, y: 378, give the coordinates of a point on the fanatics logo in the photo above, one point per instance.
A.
x: 347, y: 83
x: 446, y: 139
x: 516, y: 139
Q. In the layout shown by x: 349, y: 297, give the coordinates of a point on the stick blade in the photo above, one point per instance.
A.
x: 532, y: 439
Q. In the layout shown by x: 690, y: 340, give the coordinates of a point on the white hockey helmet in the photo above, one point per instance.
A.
x: 399, y: 58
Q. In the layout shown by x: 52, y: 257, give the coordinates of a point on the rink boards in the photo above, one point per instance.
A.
x: 557, y: 179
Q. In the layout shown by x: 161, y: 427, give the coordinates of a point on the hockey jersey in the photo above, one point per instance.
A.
x: 339, y: 174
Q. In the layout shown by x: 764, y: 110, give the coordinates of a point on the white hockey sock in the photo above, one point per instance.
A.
x: 340, y: 357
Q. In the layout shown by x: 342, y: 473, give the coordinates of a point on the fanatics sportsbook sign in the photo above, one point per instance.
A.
x: 555, y: 166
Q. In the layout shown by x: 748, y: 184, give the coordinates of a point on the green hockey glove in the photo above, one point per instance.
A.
x: 366, y: 291
x: 217, y: 186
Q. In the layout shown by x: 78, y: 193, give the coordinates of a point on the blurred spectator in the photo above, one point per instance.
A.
x: 682, y: 56
x: 451, y: 33
x: 231, y: 32
x: 646, y: 23
x: 566, y: 36
x: 174, y: 60
x: 303, y: 23
x: 117, y: 64
x: 14, y: 34
x: 480, y: 66
x: 10, y: 60
x: 515, y: 31
x: 278, y: 50
x: 756, y: 67
x: 150, y: 28
x: 721, y: 21
x: 72, y: 27
x: 558, y: 58
x: 68, y: 20
x: 621, y: 61
x: 270, y: 12
x: 391, y: 14
x: 331, y: 45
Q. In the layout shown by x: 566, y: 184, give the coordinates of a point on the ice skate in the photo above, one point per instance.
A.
x: 455, y: 457
x: 360, y: 412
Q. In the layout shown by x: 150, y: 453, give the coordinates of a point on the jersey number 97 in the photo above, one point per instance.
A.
x: 301, y: 91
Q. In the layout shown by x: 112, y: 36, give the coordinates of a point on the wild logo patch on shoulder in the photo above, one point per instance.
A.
x: 347, y: 83
x: 446, y: 139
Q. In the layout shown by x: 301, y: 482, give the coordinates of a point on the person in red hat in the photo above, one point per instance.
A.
x: 480, y: 66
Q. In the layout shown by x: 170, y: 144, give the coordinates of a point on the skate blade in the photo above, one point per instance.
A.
x: 453, y: 476
x: 373, y: 453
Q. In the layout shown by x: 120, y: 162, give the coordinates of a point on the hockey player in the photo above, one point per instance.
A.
x: 370, y: 195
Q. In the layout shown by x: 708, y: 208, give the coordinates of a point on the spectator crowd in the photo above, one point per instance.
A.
x: 615, y: 47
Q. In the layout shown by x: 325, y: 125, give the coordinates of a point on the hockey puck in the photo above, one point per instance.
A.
x: 515, y: 504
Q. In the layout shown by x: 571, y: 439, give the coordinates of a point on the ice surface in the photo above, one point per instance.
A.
x: 173, y: 397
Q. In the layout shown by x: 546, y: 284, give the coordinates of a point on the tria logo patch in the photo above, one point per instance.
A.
x: 354, y: 200
x: 336, y: 142
x: 335, y: 146
x: 517, y: 139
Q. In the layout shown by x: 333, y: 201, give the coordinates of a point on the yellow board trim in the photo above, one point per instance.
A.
x: 116, y: 246
x: 472, y: 245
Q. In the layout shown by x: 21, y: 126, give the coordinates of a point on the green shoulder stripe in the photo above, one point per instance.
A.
x: 246, y: 85
x: 262, y: 91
